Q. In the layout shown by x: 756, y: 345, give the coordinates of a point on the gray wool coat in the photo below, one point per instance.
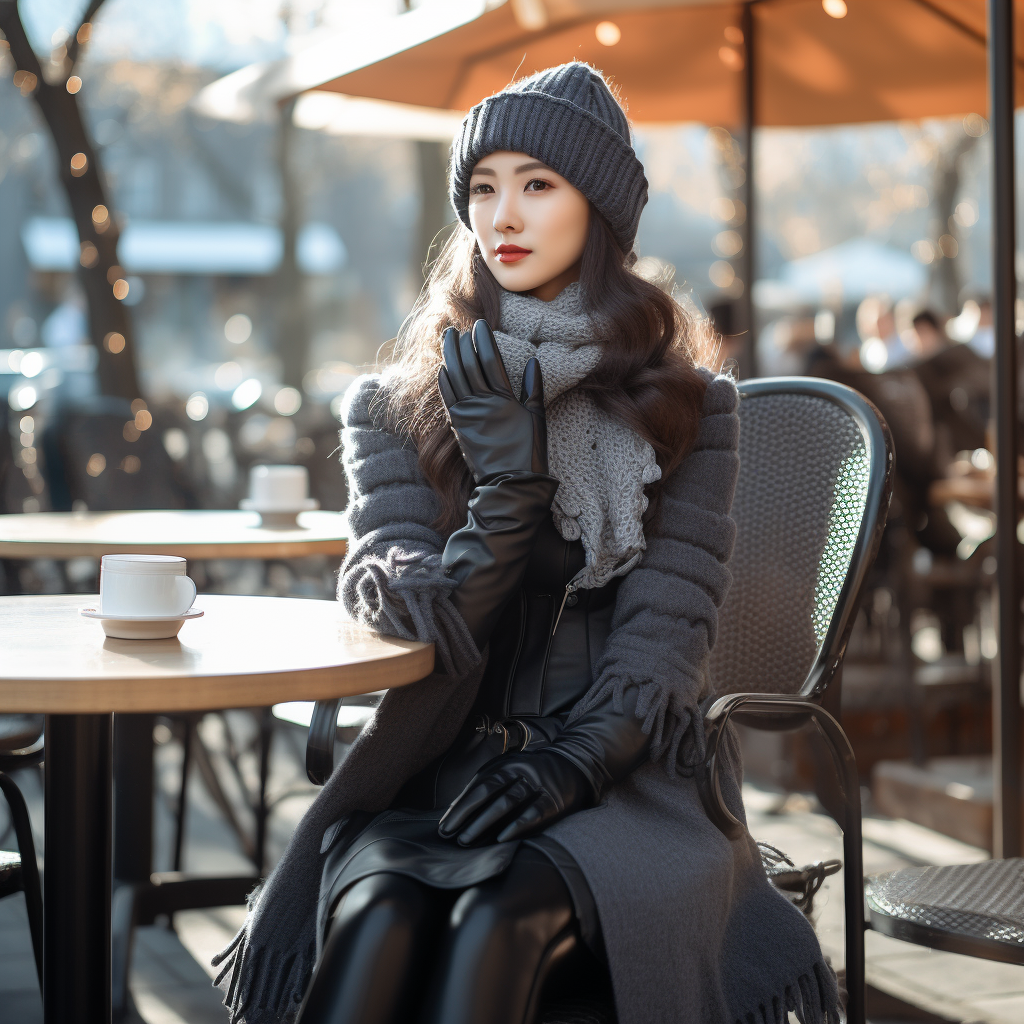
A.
x: 694, y: 932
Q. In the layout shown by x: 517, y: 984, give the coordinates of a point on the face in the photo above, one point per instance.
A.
x: 530, y: 223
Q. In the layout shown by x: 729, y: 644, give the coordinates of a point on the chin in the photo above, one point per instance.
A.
x: 512, y: 281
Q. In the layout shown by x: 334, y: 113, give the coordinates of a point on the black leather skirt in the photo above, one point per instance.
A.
x: 405, y: 842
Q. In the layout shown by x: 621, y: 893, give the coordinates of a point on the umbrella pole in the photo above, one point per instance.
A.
x: 748, y: 367
x: 1006, y: 692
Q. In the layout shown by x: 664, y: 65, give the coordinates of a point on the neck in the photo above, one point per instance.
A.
x: 553, y: 288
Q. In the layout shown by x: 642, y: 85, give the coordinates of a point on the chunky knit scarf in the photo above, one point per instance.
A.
x: 585, y: 444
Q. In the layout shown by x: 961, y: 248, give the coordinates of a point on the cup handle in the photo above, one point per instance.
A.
x: 187, y: 590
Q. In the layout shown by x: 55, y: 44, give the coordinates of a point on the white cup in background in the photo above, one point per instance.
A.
x: 284, y: 488
x: 145, y: 585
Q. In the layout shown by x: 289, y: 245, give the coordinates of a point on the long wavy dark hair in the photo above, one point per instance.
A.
x: 646, y: 378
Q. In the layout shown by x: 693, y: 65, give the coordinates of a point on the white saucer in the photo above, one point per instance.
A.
x: 252, y: 505
x: 279, y: 516
x: 141, y: 627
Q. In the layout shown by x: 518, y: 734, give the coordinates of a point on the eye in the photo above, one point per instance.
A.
x: 537, y: 185
x: 481, y: 189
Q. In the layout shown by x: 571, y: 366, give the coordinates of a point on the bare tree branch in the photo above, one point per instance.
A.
x: 80, y: 37
x: 101, y: 278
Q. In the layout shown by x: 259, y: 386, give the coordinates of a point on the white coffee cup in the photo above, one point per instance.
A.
x: 145, y: 585
x: 278, y: 488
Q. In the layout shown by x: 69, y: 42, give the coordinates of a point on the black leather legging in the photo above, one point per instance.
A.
x: 400, y: 951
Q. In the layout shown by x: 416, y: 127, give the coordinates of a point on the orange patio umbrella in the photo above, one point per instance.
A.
x: 813, y: 62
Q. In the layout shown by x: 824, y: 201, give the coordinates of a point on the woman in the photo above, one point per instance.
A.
x: 548, y: 503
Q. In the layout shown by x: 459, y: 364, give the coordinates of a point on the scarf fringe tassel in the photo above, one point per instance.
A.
x: 273, y: 987
x: 814, y: 998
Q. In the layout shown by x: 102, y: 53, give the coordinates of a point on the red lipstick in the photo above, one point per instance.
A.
x: 511, y: 253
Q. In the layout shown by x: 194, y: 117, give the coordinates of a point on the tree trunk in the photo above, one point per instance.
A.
x: 947, y: 277
x: 293, y: 326
x: 435, y: 213
x: 109, y: 324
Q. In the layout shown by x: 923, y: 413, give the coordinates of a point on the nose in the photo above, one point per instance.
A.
x: 507, y: 216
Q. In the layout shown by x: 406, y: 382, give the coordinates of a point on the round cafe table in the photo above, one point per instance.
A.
x: 244, y: 651
x: 203, y: 534
x: 222, y: 534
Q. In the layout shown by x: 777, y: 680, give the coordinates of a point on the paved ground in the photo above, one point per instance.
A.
x: 171, y: 984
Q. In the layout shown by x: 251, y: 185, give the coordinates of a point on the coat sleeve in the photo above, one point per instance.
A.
x: 392, y: 579
x: 666, y: 611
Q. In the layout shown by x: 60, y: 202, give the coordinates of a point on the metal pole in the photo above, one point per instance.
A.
x: 1006, y: 695
x: 749, y: 361
x: 76, y: 882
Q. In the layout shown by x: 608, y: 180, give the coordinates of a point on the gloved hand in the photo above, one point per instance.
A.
x: 504, y: 443
x: 536, y: 788
x: 497, y: 433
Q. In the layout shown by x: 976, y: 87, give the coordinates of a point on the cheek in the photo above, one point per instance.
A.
x: 566, y: 229
x: 478, y: 223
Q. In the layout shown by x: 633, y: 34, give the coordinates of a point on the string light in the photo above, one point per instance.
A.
x: 834, y: 8
x: 114, y: 342
x: 79, y: 165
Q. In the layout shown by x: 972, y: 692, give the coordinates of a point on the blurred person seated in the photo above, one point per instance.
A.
x: 882, y: 347
x: 927, y: 338
x: 957, y: 380
x: 785, y: 346
x: 974, y: 324
x: 904, y: 401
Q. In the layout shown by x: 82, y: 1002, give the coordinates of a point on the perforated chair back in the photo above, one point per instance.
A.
x: 811, y: 499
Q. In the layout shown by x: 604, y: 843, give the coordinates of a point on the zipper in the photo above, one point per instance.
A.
x: 570, y: 588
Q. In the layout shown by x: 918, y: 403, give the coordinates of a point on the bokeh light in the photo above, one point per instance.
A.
x: 287, y: 401
x: 22, y: 396
x: 247, y: 394
x: 197, y: 406
x: 238, y: 329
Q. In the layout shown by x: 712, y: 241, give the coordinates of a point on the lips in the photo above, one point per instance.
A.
x: 511, y: 253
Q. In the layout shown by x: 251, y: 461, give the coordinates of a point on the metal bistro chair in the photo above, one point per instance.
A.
x: 815, y: 480
x: 21, y: 745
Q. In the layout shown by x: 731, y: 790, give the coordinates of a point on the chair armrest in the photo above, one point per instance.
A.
x: 768, y: 705
x: 323, y: 730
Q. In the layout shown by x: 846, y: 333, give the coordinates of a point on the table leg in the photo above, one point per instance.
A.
x: 76, y: 881
x: 133, y: 842
x: 133, y: 797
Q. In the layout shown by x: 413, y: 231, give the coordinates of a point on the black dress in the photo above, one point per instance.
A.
x: 535, y: 675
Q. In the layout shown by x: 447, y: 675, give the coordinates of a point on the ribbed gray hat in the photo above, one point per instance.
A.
x: 568, y: 118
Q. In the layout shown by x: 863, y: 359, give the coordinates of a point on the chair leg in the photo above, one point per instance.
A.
x: 179, y: 823
x: 853, y: 867
x: 266, y: 735
x: 29, y: 867
x: 122, y: 931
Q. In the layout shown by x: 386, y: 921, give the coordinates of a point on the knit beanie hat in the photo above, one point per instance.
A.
x: 568, y: 118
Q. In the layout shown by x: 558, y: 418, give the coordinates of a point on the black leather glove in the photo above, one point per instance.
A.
x: 504, y: 443
x: 537, y: 788
x: 488, y: 555
x: 496, y: 432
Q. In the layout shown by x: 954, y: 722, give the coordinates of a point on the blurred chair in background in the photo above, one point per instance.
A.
x: 21, y: 746
x: 103, y: 454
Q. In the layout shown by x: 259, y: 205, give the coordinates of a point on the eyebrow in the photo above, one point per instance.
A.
x: 533, y: 166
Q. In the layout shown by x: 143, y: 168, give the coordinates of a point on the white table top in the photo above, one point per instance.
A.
x: 244, y: 652
x: 191, y: 534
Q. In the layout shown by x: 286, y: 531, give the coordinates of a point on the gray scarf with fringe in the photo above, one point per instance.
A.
x: 585, y: 444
